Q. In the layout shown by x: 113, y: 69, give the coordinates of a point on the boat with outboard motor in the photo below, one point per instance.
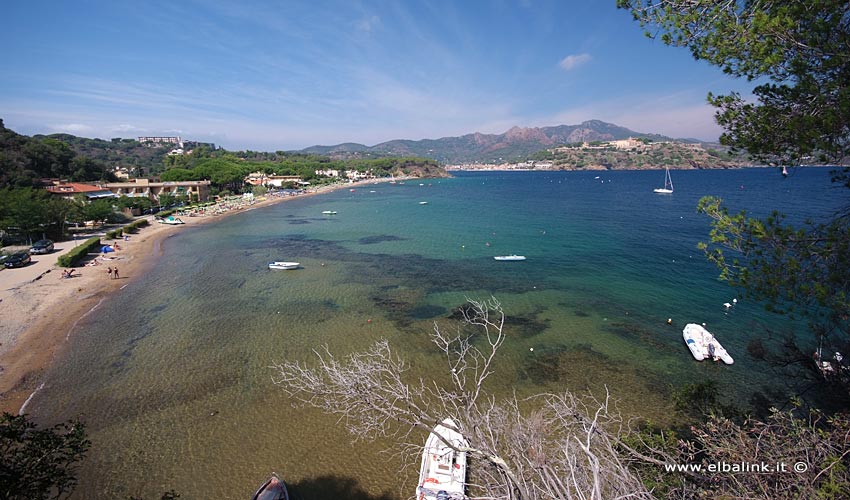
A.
x: 703, y: 345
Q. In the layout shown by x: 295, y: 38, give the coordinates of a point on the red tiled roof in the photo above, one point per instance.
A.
x: 73, y: 187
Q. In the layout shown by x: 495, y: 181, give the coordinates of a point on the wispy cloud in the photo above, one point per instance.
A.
x: 573, y: 61
x: 72, y: 128
x: 368, y: 24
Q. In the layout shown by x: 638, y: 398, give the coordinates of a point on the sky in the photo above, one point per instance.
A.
x: 285, y: 75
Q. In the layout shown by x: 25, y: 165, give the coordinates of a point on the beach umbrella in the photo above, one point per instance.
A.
x: 106, y: 249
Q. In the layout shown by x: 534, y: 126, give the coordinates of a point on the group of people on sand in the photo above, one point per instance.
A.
x: 112, y: 272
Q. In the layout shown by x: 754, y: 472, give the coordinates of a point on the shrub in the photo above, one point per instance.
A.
x: 79, y: 252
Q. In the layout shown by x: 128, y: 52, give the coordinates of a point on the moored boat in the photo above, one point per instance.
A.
x: 329, y: 212
x: 668, y: 184
x: 443, y: 472
x: 284, y: 265
x: 703, y: 345
x: 171, y: 220
x: 509, y: 257
x: 273, y: 489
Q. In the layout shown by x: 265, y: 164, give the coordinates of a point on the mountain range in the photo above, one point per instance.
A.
x: 516, y: 144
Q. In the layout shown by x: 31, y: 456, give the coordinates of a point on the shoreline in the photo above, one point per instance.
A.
x: 38, y: 317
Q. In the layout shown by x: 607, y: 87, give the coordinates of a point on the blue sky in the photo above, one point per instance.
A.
x: 281, y: 75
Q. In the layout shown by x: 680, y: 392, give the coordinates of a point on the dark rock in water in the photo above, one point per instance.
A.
x: 525, y: 326
x: 427, y: 312
x: 371, y: 240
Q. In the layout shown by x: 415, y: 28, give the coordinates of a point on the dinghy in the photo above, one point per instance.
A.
x: 283, y: 265
x: 703, y: 345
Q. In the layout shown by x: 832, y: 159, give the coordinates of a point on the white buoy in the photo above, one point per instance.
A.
x: 727, y: 305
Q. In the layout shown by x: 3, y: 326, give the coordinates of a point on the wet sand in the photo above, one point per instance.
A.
x: 38, y: 315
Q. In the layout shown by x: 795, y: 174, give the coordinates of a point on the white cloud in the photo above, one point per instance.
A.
x: 72, y: 128
x: 573, y: 61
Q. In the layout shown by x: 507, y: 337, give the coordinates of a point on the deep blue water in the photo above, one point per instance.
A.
x: 173, y: 374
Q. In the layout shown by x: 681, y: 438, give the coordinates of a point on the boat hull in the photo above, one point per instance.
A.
x: 273, y: 489
x: 703, y: 345
x: 284, y: 265
x: 509, y: 257
x: 443, y: 471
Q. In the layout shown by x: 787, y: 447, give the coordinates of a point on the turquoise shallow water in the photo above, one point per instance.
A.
x: 172, y: 374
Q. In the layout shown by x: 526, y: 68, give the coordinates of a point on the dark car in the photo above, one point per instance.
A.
x: 17, y: 260
x: 42, y: 246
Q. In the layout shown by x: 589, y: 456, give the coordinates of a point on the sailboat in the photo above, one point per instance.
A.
x: 668, y: 184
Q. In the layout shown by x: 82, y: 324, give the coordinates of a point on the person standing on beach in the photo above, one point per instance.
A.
x: 115, y: 272
x: 109, y: 272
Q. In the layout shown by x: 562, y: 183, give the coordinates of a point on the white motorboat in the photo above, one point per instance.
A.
x: 509, y: 257
x: 423, y: 202
x: 703, y: 345
x: 668, y: 184
x: 443, y: 472
x: 283, y: 265
x: 329, y: 212
x: 273, y: 489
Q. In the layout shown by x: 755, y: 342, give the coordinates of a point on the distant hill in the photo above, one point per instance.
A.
x: 516, y: 144
x: 116, y: 152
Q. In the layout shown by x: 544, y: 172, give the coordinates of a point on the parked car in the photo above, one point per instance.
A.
x: 19, y: 259
x: 42, y: 246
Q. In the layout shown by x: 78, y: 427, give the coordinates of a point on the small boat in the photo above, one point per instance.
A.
x: 273, y: 489
x: 703, y: 345
x: 283, y: 265
x: 443, y: 472
x: 423, y: 202
x: 329, y: 212
x: 668, y: 184
x: 171, y: 220
x: 509, y: 257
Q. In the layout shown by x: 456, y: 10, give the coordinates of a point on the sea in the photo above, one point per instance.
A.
x: 173, y: 374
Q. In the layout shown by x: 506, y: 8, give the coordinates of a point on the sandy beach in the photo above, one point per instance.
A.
x: 39, y: 309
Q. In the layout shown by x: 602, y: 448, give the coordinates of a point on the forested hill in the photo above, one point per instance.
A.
x: 25, y: 160
x: 517, y: 144
x: 116, y: 152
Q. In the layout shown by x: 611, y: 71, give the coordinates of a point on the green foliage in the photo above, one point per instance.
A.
x: 24, y: 161
x: 134, y: 226
x: 795, y: 270
x: 32, y: 212
x: 801, y: 48
x: 133, y: 202
x: 39, y: 463
x: 79, y: 252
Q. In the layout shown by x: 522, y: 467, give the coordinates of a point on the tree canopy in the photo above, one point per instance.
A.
x: 39, y: 463
x: 797, y: 50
